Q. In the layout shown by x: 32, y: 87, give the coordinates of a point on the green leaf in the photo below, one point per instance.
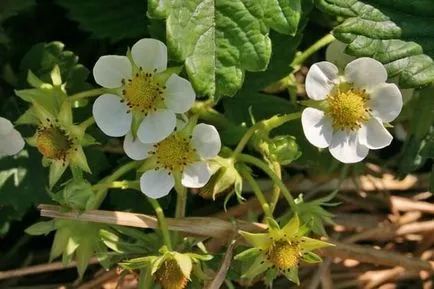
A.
x: 41, y: 228
x: 190, y: 38
x: 396, y: 32
x: 240, y: 29
x: 242, y: 43
x: 10, y: 8
x: 115, y: 19
x: 282, y: 15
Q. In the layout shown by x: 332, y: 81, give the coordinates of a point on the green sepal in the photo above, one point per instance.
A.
x: 55, y: 76
x: 59, y: 243
x: 35, y: 81
x: 162, y: 77
x: 311, y: 258
x: 28, y: 117
x: 184, y: 263
x: 292, y: 275
x: 145, y: 279
x: 79, y: 159
x: 139, y: 263
x: 56, y: 171
x: 41, y: 228
x: 259, y: 266
x: 83, y: 254
x: 249, y: 253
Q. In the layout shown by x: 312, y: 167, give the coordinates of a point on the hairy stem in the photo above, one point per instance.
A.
x: 162, y: 222
x: 264, y: 167
x: 257, y: 190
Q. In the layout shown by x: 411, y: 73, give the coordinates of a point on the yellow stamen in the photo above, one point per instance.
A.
x: 143, y: 93
x: 170, y: 276
x: 284, y: 254
x: 347, y: 107
x: 174, y: 153
x: 53, y: 142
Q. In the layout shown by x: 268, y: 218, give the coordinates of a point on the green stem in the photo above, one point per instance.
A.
x: 181, y: 201
x: 162, y: 222
x: 245, y: 139
x: 205, y: 112
x: 275, y: 166
x: 257, y: 190
x: 101, y: 193
x: 264, y: 167
x: 87, y: 93
x: 301, y: 57
x: 88, y: 122
x: 279, y: 120
x: 118, y: 185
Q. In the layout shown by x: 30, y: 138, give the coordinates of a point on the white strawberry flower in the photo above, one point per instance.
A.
x: 142, y: 99
x: 181, y: 155
x: 11, y: 141
x: 352, y: 108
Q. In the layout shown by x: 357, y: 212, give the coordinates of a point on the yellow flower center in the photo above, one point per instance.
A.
x: 170, y: 276
x: 174, y: 153
x: 347, y: 107
x: 143, y: 93
x: 284, y: 254
x: 53, y: 142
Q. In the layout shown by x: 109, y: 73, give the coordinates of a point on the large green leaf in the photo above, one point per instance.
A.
x: 220, y: 40
x: 398, y: 33
x: 9, y: 8
x: 114, y: 19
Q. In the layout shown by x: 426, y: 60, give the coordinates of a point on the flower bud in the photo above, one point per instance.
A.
x: 225, y: 178
x: 283, y: 149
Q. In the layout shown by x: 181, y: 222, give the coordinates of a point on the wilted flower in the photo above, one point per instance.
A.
x: 171, y: 269
x: 349, y: 119
x: 59, y: 141
x: 145, y: 99
x: 11, y: 141
x: 281, y: 249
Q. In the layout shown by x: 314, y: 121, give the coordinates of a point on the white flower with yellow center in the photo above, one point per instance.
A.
x: 182, y: 157
x: 352, y: 108
x: 142, y: 99
x: 11, y: 141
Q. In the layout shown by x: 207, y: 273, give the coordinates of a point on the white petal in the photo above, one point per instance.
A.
x: 109, y: 70
x: 317, y: 128
x: 335, y: 53
x: 11, y: 143
x: 196, y: 175
x: 346, y: 148
x: 386, y: 101
x: 365, y: 72
x: 179, y: 94
x: 206, y: 140
x: 111, y: 115
x: 156, y: 184
x: 374, y: 135
x: 150, y: 54
x: 5, y: 126
x: 135, y: 149
x: 321, y: 79
x: 157, y: 126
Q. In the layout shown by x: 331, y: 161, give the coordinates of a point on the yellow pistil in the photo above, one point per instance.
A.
x: 347, y: 107
x: 284, y: 254
x: 53, y: 142
x: 170, y: 276
x: 174, y: 153
x: 143, y: 93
